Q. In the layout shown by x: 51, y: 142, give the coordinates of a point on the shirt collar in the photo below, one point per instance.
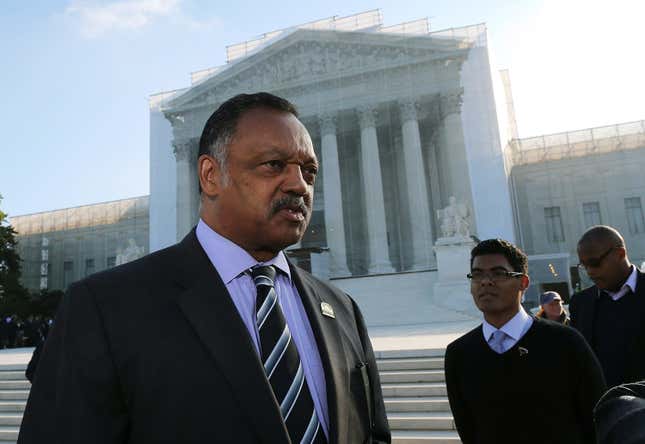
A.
x: 513, y: 328
x: 229, y: 259
x: 630, y: 284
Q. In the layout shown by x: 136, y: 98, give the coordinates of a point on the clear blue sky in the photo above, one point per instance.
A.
x: 76, y: 75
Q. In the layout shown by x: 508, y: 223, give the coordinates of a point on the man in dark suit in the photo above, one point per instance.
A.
x: 611, y: 313
x: 219, y: 338
x: 516, y: 368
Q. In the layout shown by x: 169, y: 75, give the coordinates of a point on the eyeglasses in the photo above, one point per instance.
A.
x: 595, y: 261
x: 494, y: 275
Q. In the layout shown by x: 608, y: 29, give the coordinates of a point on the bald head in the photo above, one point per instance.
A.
x: 602, y: 252
x: 602, y: 235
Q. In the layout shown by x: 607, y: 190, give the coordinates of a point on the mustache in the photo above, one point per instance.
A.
x: 290, y: 202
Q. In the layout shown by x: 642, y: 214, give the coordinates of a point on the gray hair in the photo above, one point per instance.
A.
x: 219, y: 151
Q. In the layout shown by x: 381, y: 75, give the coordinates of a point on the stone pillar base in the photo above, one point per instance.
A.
x: 455, y: 296
x: 453, y: 263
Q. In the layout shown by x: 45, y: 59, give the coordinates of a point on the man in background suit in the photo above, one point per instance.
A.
x: 219, y: 338
x: 611, y: 313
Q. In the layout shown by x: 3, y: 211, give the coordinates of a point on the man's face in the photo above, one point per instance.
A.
x: 266, y: 203
x: 496, y: 297
x: 553, y: 309
x: 603, y: 263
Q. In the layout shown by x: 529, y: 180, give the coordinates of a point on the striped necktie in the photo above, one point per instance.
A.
x: 282, y: 363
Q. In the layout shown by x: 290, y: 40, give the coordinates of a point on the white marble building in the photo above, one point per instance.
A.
x: 401, y: 119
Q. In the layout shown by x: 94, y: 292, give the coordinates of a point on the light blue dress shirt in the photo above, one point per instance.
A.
x: 629, y: 285
x: 515, y: 328
x: 232, y: 263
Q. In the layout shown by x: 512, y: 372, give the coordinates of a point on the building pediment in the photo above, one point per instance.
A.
x: 307, y: 57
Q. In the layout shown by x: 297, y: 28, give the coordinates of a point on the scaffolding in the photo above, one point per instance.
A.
x: 86, y: 216
x: 361, y: 21
x: 572, y: 144
x: 414, y: 27
x: 369, y: 21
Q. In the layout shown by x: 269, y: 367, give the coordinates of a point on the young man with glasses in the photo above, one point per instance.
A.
x: 515, y: 369
x: 611, y: 313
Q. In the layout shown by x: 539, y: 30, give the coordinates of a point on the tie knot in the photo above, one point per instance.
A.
x: 496, y: 341
x: 263, y: 275
x: 498, y: 335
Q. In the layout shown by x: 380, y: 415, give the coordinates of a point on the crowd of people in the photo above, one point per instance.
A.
x: 28, y: 332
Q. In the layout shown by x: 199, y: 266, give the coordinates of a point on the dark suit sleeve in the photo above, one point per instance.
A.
x: 573, y: 311
x: 462, y: 416
x: 381, y: 429
x: 75, y: 397
x: 590, y: 385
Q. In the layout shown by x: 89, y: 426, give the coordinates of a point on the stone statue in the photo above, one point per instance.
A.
x: 454, y: 219
x: 131, y: 252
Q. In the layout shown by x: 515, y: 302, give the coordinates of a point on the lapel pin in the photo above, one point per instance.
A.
x: 327, y: 310
x: 523, y: 351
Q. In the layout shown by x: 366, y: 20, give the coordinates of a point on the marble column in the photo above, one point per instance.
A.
x: 379, y: 255
x: 187, y: 204
x: 455, y: 174
x: 332, y: 192
x: 419, y: 204
x: 433, y: 177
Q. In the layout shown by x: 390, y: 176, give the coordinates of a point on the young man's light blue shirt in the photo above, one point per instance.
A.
x: 515, y: 328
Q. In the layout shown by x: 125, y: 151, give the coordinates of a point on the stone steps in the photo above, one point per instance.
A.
x: 417, y: 404
x: 418, y: 389
x: 421, y: 421
x: 15, y: 384
x: 12, y: 375
x: 10, y: 419
x: 410, y: 364
x: 14, y: 391
x: 415, y: 396
x: 425, y: 437
x: 402, y: 376
x: 14, y: 395
x: 9, y: 433
x: 6, y: 407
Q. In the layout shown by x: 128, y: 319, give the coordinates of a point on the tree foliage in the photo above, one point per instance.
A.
x: 14, y: 297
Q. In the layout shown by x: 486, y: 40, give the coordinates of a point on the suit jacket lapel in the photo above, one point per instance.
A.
x: 208, y: 307
x: 330, y: 345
